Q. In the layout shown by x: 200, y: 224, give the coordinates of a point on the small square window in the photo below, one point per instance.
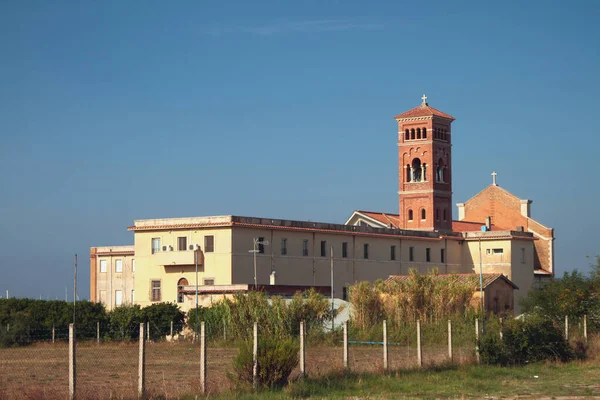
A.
x: 155, y: 294
x: 182, y: 243
x: 411, y: 254
x: 366, y: 251
x: 283, y: 246
x: 305, y: 248
x: 344, y: 249
x: 118, y: 265
x: 261, y: 245
x: 102, y: 265
x: 428, y: 254
x: 443, y: 255
x: 323, y: 248
x: 392, y: 253
x: 209, y: 244
x: 209, y: 281
x: 155, y: 245
x: 118, y: 297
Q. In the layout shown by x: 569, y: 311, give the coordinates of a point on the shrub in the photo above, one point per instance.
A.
x: 125, y: 322
x: 276, y: 361
x: 160, y: 316
x: 534, y: 340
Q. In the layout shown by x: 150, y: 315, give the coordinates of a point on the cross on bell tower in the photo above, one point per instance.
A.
x: 425, y: 168
x: 494, y: 178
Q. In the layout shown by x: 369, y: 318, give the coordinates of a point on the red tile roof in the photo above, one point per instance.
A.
x: 488, y: 279
x: 384, y: 218
x: 424, y: 110
x: 469, y: 226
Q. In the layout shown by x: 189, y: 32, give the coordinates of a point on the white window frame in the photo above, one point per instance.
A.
x: 103, y: 266
x: 118, y: 297
x: 119, y: 266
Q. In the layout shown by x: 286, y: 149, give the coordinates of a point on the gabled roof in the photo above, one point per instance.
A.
x: 386, y: 219
x: 488, y: 279
x: 469, y: 226
x: 424, y: 110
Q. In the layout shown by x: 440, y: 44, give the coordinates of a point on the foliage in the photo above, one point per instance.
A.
x: 124, y: 322
x: 419, y: 297
x: 160, y: 316
x: 574, y: 295
x: 523, y: 342
x: 276, y: 317
x: 277, y: 358
x: 28, y: 320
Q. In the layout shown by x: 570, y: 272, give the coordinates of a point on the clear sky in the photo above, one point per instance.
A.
x: 112, y: 111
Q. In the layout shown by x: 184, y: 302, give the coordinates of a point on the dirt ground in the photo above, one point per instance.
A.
x: 172, y: 370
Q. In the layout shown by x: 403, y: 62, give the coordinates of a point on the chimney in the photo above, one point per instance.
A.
x: 461, y: 211
x: 526, y: 208
x: 488, y: 223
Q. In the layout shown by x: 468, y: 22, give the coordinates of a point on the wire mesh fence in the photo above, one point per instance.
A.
x: 108, y: 368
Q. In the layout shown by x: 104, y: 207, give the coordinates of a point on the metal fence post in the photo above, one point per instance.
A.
x: 171, y: 331
x: 202, y: 358
x: 450, y: 356
x: 477, y: 339
x: 419, y: 345
x: 53, y: 334
x: 302, y: 350
x: 142, y: 364
x: 345, y: 344
x: 255, y: 358
x: 501, y: 334
x: 567, y: 327
x: 148, y: 331
x: 585, y: 327
x: 385, y: 346
x: 98, y: 332
x: 72, y: 365
x: 224, y: 330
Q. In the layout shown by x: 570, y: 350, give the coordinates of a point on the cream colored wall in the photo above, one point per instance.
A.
x: 217, y: 265
x: 296, y: 269
x: 109, y: 282
x: 522, y: 272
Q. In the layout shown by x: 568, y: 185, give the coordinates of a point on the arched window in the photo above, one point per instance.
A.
x: 418, y: 133
x: 445, y: 219
x: 437, y: 214
x: 180, y: 289
x: 410, y: 215
x: 424, y: 133
x: 439, y: 171
x: 424, y: 172
x: 423, y: 214
x: 408, y: 174
x: 406, y: 135
x: 417, y: 174
x: 412, y: 134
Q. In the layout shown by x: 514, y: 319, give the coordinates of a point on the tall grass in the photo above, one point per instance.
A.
x: 276, y: 317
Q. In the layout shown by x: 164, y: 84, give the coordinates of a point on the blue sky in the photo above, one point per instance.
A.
x: 113, y: 111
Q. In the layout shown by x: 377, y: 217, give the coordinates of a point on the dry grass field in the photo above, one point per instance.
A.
x: 109, y: 370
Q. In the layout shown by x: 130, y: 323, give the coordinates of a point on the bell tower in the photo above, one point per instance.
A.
x: 425, y: 168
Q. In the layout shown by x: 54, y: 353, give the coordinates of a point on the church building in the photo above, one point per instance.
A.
x: 494, y: 234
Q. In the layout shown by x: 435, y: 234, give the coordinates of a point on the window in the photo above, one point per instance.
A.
x: 418, y: 133
x: 410, y: 215
x: 133, y: 265
x: 424, y: 133
x: 323, y: 248
x: 283, y: 246
x: 181, y: 289
x: 408, y: 173
x: 428, y: 254
x: 155, y: 290
x: 155, y: 245
x: 445, y: 216
x: 407, y: 135
x: 305, y: 248
x: 523, y: 255
x: 412, y: 134
x: 411, y: 254
x: 494, y: 251
x: 345, y: 250
x: 443, y: 255
x: 102, y: 265
x: 182, y: 243
x: 344, y: 293
x: 118, y: 265
x: 437, y: 214
x: 209, y: 244
x: 423, y: 214
x: 261, y: 245
x: 132, y: 296
x: 366, y: 251
x: 392, y: 253
x: 118, y: 298
x: 209, y: 281
x: 416, y: 171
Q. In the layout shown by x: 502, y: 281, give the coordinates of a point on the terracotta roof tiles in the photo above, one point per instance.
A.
x: 423, y: 110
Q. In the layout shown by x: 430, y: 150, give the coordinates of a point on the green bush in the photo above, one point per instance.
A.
x: 160, y: 316
x: 276, y: 361
x: 534, y: 340
x: 124, y: 322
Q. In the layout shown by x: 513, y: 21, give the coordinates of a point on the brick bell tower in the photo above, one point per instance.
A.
x: 425, y: 168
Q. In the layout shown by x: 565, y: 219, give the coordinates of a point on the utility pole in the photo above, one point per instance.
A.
x: 255, y: 243
x: 74, y: 288
x: 481, y: 283
x: 196, y: 263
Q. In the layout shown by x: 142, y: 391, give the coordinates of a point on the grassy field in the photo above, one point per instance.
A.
x: 110, y: 371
